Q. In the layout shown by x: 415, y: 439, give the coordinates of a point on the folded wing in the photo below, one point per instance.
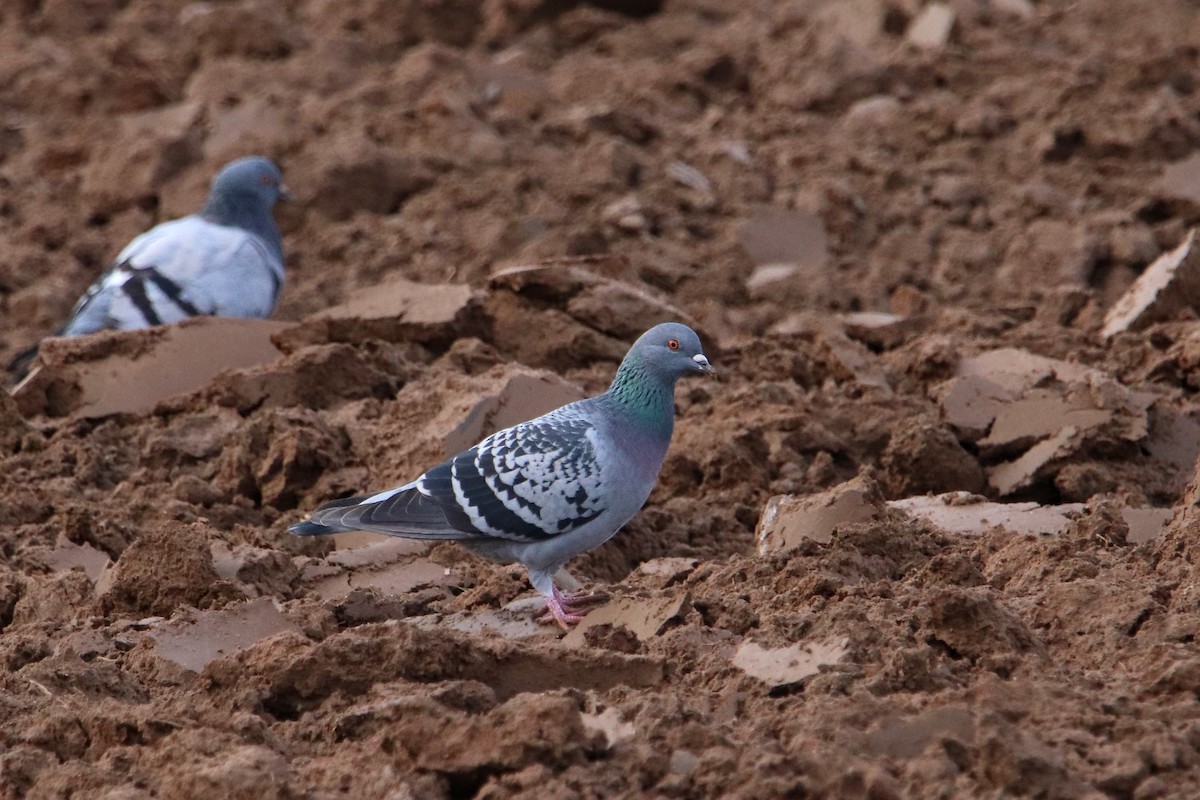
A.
x: 528, y: 483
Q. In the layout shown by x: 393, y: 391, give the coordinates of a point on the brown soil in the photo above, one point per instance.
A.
x: 996, y: 191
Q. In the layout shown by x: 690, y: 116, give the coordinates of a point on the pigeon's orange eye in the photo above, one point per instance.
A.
x: 266, y: 180
x: 672, y: 344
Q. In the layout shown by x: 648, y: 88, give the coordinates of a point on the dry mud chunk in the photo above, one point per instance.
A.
x: 1052, y: 253
x: 280, y: 455
x: 15, y: 433
x: 523, y: 396
x: 53, y: 598
x: 1036, y: 462
x: 251, y: 29
x: 781, y: 236
x: 391, y: 579
x: 962, y: 513
x: 789, y: 520
x: 789, y: 250
x: 440, y: 415
x: 130, y: 372
x: 903, y: 736
x: 386, y: 27
x: 923, y: 457
x: 294, y: 675
x: 879, y: 329
x: 1179, y: 540
x: 580, y: 315
x: 1168, y: 286
x: 525, y: 731
x: 271, y: 572
x: 973, y: 624
x: 11, y: 587
x: 67, y: 555
x: 837, y: 356
x: 151, y: 148
x: 358, y: 175
x: 165, y: 568
x: 316, y: 377
x: 248, y: 772
x: 426, y: 308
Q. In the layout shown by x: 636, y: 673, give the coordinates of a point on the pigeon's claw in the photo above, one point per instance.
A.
x: 555, y: 612
x: 569, y: 610
x: 581, y: 601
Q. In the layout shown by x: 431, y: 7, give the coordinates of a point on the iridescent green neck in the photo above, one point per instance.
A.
x: 642, y: 394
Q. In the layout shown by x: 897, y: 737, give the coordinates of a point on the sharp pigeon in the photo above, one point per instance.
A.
x: 543, y: 491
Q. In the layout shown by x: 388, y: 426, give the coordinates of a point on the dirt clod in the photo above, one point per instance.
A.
x: 930, y: 532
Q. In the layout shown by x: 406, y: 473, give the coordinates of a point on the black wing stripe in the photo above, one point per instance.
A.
x: 135, y: 289
x: 173, y: 292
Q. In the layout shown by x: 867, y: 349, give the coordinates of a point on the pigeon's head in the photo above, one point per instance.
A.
x: 255, y: 178
x: 672, y: 350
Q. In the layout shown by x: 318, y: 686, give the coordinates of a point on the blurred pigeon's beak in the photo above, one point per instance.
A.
x: 703, y: 365
x: 285, y: 194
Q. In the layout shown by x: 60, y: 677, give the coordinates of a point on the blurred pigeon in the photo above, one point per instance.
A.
x: 226, y: 261
x: 543, y: 491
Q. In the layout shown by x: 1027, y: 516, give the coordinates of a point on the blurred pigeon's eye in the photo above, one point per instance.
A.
x: 672, y: 344
x: 266, y: 180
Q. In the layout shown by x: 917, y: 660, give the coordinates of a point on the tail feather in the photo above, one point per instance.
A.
x: 404, y: 512
x: 308, y: 528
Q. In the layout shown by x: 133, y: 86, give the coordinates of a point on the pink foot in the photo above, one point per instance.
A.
x: 569, y: 609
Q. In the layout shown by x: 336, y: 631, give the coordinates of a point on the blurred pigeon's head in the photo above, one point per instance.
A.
x: 671, y: 350
x: 255, y: 179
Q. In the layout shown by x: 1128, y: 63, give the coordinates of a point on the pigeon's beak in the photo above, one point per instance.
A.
x: 703, y: 365
x: 285, y: 194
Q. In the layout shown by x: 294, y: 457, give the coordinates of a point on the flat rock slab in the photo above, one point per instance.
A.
x: 781, y: 236
x: 971, y: 515
x: 789, y: 520
x: 900, y: 736
x: 67, y: 556
x: 209, y: 635
x: 515, y: 622
x: 645, y: 618
x: 397, y: 311
x: 391, y: 579
x: 785, y: 666
x: 931, y: 28
x: 1168, y: 286
x: 967, y: 514
x: 131, y: 372
x: 1032, y: 414
x: 523, y: 396
x: 1181, y: 180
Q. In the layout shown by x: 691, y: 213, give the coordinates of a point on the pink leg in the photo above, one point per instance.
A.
x: 569, y: 609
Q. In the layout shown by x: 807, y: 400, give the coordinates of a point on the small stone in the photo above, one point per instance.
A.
x: 932, y: 27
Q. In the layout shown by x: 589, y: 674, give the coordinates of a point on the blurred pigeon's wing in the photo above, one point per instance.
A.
x: 186, y: 268
x: 528, y: 483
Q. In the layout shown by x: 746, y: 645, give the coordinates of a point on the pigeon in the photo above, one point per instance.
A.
x: 543, y: 491
x: 226, y: 261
